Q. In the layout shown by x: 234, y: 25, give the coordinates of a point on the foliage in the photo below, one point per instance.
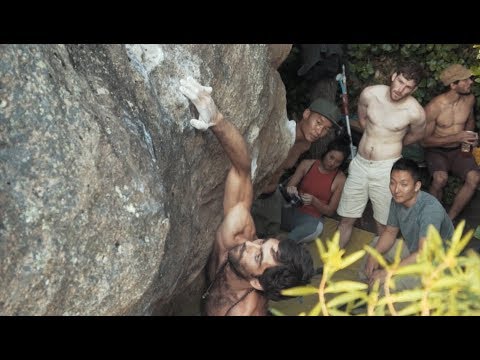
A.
x: 450, y: 281
x: 476, y: 69
x: 370, y: 64
x: 297, y: 87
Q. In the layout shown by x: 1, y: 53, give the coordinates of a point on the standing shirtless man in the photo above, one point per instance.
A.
x: 391, y: 118
x: 245, y: 272
x: 450, y: 122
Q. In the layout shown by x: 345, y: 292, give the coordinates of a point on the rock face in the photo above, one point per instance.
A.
x: 109, y: 199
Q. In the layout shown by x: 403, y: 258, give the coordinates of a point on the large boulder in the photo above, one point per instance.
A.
x: 109, y: 198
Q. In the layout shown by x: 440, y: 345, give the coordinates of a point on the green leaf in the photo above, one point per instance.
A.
x: 317, y: 309
x: 336, y: 312
x: 344, y: 298
x: 376, y: 255
x: 465, y: 240
x: 457, y: 234
x: 398, y: 252
x: 350, y: 259
x: 411, y: 309
x: 403, y: 296
x: 300, y: 291
x: 276, y: 312
x: 320, y: 248
x: 409, y: 295
x: 345, y: 286
x: 446, y: 282
x: 413, y: 269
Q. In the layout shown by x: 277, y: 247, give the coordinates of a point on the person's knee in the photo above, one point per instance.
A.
x: 314, y: 234
x: 440, y: 179
x: 319, y: 228
x: 306, y: 232
x: 473, y: 178
x: 297, y: 233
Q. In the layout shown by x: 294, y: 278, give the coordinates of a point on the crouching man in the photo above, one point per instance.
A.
x: 411, y: 211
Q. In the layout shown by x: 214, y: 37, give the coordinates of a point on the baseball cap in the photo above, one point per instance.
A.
x: 327, y: 109
x: 453, y: 73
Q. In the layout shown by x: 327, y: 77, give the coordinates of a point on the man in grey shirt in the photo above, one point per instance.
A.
x: 411, y: 212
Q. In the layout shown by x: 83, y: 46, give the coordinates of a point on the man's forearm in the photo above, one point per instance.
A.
x: 385, y: 242
x: 410, y: 259
x: 233, y: 143
x: 412, y: 138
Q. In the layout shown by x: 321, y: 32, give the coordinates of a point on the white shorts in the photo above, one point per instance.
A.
x: 367, y: 179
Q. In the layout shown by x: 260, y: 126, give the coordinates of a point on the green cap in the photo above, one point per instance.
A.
x: 327, y: 109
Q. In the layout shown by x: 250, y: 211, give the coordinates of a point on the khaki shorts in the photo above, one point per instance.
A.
x: 367, y: 180
x: 454, y: 160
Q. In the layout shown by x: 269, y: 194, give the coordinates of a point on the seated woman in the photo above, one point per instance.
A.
x: 319, y: 183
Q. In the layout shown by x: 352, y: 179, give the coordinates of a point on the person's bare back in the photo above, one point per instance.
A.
x: 386, y: 122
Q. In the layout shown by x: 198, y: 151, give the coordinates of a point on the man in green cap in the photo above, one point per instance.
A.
x: 391, y: 118
x: 321, y: 117
x: 450, y: 122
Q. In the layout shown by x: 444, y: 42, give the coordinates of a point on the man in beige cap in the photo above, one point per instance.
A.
x: 450, y: 122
